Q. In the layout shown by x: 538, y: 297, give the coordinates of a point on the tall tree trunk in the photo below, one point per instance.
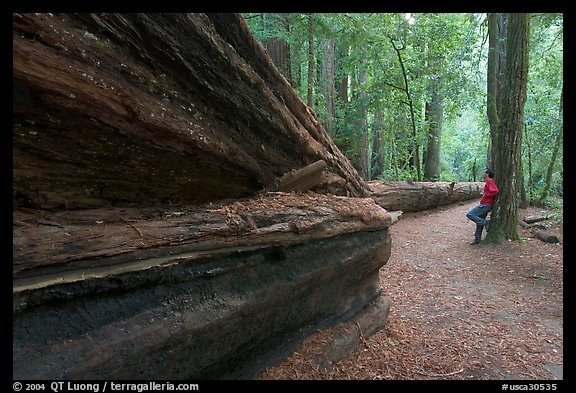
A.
x: 377, y: 162
x: 508, y: 138
x: 403, y: 145
x: 473, y: 174
x: 343, y: 88
x: 557, y: 146
x: 529, y: 154
x: 279, y: 50
x: 329, y: 77
x: 496, y: 60
x: 432, y: 157
x: 492, y: 83
x: 340, y: 56
x: 362, y: 123
x: 310, y: 59
x: 415, y: 148
x: 523, y: 203
x: 501, y: 58
x: 341, y: 84
x: 342, y: 76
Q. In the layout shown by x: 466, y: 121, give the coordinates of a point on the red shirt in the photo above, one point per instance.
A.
x: 490, y: 192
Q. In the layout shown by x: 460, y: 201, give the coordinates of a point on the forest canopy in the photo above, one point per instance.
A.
x: 404, y: 95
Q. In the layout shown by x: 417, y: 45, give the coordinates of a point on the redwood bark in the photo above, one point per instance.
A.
x: 416, y: 196
x: 145, y: 109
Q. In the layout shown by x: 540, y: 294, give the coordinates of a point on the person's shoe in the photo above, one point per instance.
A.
x: 487, y: 225
x: 475, y: 242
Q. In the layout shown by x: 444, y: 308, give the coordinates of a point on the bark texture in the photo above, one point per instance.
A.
x: 147, y: 243
x: 142, y: 109
x: 416, y: 196
x: 189, y: 293
x: 507, y: 138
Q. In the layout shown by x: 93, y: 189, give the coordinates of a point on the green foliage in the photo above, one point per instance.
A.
x: 542, y: 111
x: 432, y: 45
x: 555, y: 203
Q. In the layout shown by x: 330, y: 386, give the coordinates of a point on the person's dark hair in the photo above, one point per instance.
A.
x: 490, y: 172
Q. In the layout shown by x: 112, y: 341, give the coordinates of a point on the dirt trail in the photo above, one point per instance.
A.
x: 459, y: 311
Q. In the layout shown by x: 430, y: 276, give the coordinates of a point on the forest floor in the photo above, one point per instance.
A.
x: 458, y: 311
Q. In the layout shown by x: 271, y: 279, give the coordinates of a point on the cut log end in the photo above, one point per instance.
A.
x: 301, y: 179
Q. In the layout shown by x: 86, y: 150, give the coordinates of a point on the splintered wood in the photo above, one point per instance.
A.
x: 112, y: 236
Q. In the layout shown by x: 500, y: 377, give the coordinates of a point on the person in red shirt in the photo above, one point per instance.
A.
x: 479, y: 212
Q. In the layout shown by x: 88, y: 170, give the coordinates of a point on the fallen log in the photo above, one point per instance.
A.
x: 523, y: 224
x: 532, y: 219
x: 125, y: 126
x: 547, y: 237
x: 189, y: 292
x: 157, y: 108
x: 416, y: 196
x: 534, y: 225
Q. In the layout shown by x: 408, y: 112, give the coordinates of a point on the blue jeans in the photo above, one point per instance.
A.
x: 478, y: 214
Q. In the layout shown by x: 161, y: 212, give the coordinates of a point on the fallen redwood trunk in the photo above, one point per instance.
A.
x: 188, y: 292
x: 416, y: 196
x: 547, y: 236
x: 124, y: 126
x: 145, y: 109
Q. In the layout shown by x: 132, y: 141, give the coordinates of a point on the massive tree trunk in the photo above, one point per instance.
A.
x: 191, y: 292
x: 496, y: 60
x: 508, y: 136
x: 416, y: 196
x: 135, y: 109
x: 147, y: 243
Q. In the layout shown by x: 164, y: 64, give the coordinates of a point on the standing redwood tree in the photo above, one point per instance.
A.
x: 279, y: 48
x: 435, y: 114
x: 330, y: 84
x: 310, y: 59
x: 507, y: 124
